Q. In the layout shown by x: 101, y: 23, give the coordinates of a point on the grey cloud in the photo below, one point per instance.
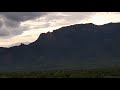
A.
x: 9, y: 27
x: 10, y: 21
x: 70, y: 15
x: 55, y: 19
x: 1, y: 23
x: 22, y: 16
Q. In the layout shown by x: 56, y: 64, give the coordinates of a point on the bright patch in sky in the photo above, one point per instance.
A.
x: 103, y: 18
x: 32, y: 28
x: 99, y: 19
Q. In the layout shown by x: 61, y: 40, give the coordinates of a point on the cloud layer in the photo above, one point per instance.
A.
x: 10, y: 22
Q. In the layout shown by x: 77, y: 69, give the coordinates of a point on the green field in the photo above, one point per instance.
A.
x: 93, y: 73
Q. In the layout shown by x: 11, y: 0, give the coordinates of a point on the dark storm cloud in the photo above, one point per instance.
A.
x: 10, y: 21
x: 22, y: 16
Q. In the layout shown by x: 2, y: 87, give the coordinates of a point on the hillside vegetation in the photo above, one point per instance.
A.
x: 94, y: 73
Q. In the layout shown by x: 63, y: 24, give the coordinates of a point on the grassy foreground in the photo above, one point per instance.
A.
x: 94, y: 73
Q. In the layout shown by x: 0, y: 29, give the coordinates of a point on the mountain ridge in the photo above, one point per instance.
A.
x: 59, y: 29
x: 82, y: 45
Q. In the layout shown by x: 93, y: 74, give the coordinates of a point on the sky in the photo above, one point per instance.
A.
x: 25, y: 27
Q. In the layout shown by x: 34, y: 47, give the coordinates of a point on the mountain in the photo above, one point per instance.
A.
x: 74, y: 47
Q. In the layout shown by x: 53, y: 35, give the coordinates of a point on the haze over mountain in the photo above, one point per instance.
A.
x: 75, y: 46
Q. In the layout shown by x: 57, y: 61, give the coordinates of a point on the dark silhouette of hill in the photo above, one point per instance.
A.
x: 76, y: 46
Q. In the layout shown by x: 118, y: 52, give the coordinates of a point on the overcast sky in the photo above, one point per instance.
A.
x: 25, y: 27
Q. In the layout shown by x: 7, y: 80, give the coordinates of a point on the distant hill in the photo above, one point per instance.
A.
x: 73, y: 47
